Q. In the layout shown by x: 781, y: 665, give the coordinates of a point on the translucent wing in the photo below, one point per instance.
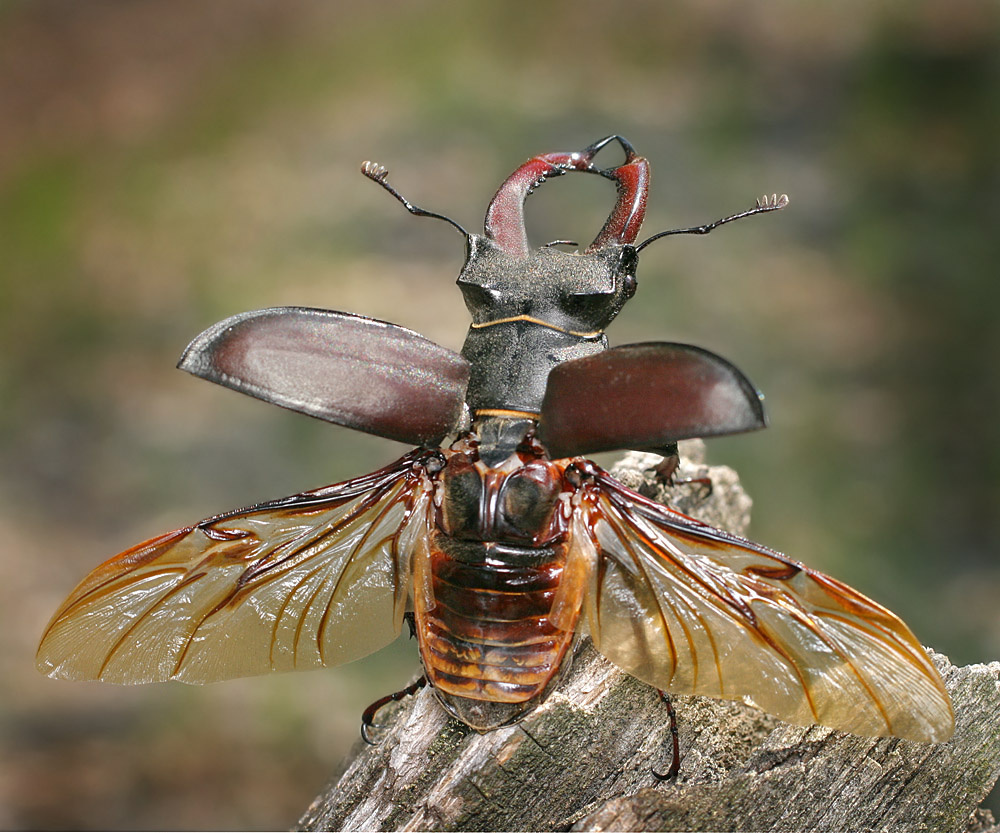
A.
x: 694, y: 610
x: 320, y: 578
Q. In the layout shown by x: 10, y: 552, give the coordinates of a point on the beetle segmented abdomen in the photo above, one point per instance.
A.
x: 486, y: 639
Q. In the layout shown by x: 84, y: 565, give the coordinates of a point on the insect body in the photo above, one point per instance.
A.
x: 506, y: 542
x: 494, y: 628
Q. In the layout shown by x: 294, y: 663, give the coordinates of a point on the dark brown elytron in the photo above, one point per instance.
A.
x: 496, y: 533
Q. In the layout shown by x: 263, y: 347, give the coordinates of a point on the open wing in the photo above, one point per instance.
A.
x: 316, y: 579
x: 355, y: 371
x: 694, y: 610
x: 645, y: 396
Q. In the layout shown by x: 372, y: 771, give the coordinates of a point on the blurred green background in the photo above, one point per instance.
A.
x: 165, y: 163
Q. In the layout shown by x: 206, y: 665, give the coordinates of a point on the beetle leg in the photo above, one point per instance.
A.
x: 675, y: 763
x: 368, y: 715
x: 664, y: 471
x: 665, y: 474
x: 699, y: 481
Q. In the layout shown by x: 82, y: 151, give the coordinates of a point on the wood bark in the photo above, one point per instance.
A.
x: 585, y: 759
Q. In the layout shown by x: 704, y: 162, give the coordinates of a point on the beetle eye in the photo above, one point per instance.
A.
x: 629, y: 284
x: 628, y: 260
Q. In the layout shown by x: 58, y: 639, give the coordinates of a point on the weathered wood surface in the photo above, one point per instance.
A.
x: 584, y: 760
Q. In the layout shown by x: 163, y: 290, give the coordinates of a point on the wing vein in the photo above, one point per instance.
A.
x: 298, y: 626
x: 321, y: 630
x: 190, y: 579
x: 623, y: 538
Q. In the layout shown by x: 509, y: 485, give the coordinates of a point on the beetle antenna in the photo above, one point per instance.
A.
x: 376, y: 173
x: 764, y: 204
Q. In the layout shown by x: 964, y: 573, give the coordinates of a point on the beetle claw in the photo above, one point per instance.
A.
x: 366, y: 727
x: 368, y: 716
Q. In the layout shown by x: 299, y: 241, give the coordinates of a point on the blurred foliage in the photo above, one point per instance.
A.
x: 163, y: 164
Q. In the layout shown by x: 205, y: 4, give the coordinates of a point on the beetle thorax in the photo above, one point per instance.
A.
x: 530, y: 314
x: 521, y: 501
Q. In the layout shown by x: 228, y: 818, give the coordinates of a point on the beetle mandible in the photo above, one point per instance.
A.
x: 504, y: 542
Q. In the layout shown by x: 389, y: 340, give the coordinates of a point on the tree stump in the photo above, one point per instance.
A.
x: 585, y: 759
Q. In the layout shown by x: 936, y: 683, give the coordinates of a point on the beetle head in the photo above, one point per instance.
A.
x: 580, y: 292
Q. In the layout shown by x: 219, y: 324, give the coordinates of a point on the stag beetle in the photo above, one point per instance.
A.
x: 502, y: 542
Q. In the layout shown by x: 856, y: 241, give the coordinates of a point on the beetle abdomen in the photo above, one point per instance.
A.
x: 487, y: 641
